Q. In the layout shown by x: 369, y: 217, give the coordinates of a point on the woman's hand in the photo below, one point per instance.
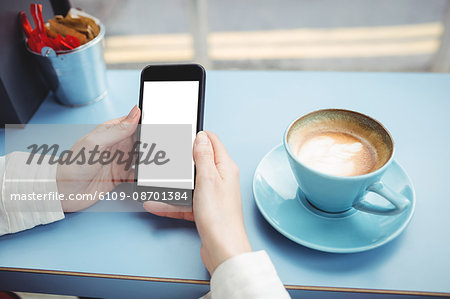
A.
x: 217, y: 207
x: 93, y: 178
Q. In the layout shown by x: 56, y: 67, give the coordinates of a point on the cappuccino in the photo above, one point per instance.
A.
x: 337, y: 153
x: 339, y: 143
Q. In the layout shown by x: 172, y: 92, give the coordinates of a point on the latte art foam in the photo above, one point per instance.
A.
x: 337, y: 153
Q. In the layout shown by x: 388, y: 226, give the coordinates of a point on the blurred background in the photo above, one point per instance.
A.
x: 347, y: 35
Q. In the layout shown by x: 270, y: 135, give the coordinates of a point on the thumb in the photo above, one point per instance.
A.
x: 115, y: 130
x: 204, y: 155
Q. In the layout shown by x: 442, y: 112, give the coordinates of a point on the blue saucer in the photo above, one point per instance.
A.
x: 285, y: 207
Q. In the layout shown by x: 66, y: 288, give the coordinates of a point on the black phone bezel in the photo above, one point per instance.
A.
x: 171, y: 72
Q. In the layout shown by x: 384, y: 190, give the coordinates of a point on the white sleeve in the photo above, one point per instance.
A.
x: 248, y: 275
x: 18, y: 182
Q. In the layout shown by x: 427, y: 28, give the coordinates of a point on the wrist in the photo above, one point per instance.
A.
x: 222, y: 249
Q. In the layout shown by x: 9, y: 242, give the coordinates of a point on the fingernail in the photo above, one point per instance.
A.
x: 133, y: 112
x: 202, y: 138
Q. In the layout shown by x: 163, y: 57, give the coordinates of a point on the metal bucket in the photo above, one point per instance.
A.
x: 76, y: 77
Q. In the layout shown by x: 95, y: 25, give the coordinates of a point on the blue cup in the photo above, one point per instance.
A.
x: 335, y: 193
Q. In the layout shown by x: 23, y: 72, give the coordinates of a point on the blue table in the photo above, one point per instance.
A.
x: 126, y: 254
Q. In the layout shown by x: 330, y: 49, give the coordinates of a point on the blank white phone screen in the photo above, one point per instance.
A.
x: 170, y: 102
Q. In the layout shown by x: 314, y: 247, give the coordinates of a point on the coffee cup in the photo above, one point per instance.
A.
x: 337, y: 156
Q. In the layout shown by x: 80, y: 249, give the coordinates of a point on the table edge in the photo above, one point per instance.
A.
x: 206, y: 282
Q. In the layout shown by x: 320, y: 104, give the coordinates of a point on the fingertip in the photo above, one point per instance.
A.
x: 202, y: 145
x: 133, y: 115
x: 166, y: 210
x: 203, y: 150
x: 154, y: 207
x: 202, y: 138
x: 133, y: 112
x: 146, y: 205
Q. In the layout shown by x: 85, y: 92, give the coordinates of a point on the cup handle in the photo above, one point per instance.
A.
x: 399, y: 201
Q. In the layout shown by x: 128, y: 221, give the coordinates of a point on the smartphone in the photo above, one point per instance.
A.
x: 172, y: 102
